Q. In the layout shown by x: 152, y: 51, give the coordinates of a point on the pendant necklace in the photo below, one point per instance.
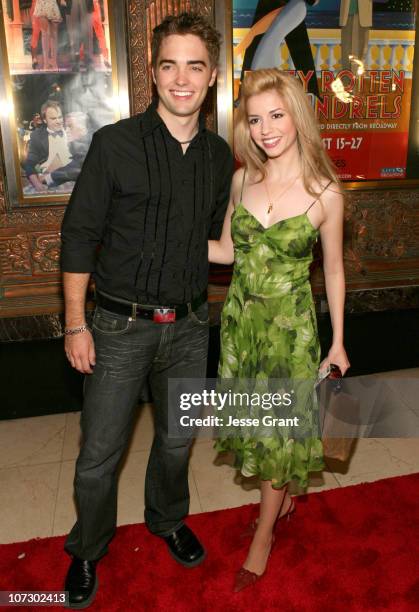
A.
x: 188, y: 141
x: 270, y: 201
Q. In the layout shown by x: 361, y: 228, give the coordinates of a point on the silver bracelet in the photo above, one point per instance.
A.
x: 72, y: 331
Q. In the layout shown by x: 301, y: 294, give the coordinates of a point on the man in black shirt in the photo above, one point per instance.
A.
x: 152, y: 190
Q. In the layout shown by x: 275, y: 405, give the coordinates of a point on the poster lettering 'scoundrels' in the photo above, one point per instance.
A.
x: 355, y: 61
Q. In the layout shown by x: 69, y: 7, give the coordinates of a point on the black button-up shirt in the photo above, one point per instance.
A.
x: 149, y: 208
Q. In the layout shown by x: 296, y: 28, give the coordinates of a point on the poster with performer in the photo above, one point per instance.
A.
x: 355, y: 61
x: 57, y: 90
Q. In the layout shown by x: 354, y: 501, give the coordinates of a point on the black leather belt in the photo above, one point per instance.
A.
x: 158, y: 314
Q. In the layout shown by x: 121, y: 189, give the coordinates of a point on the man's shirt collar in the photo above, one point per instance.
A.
x: 150, y: 120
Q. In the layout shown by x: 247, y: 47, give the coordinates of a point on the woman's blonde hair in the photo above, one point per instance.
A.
x: 315, y: 163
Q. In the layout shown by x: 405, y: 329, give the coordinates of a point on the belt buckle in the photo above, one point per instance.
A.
x: 164, y: 315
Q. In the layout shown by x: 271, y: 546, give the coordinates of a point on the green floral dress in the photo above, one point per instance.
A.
x: 269, y: 331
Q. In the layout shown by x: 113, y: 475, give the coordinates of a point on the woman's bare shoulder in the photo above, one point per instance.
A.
x: 326, y: 189
x: 238, y: 176
x: 331, y: 197
x: 236, y: 184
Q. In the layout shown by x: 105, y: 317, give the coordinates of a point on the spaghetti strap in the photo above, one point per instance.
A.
x: 319, y: 196
x: 244, y: 178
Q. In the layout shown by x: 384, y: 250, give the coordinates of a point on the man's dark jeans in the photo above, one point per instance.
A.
x: 127, y: 353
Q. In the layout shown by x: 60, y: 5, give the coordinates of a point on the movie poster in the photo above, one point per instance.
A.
x: 57, y: 68
x: 355, y: 61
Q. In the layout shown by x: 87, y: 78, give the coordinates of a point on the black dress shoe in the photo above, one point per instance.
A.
x: 81, y: 583
x: 185, y: 547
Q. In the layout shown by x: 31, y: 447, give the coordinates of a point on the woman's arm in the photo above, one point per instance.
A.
x: 331, y: 233
x: 222, y: 251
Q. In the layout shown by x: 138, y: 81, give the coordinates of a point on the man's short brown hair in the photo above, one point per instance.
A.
x: 49, y: 104
x: 187, y: 23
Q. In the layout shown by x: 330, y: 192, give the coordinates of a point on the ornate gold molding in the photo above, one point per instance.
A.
x: 381, y: 248
x: 47, y: 216
x: 45, y: 252
x: 15, y: 256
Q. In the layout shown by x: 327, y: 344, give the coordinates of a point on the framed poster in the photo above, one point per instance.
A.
x: 61, y: 81
x: 356, y: 61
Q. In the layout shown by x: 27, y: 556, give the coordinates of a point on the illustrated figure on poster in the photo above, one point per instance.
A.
x: 36, y: 33
x: 47, y: 17
x: 79, y: 31
x: 79, y: 138
x: 48, y: 147
x: 355, y: 20
x: 98, y: 18
x: 288, y: 25
x: 86, y: 17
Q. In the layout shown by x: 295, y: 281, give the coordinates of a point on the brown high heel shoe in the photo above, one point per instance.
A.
x: 245, y: 578
x: 251, y: 528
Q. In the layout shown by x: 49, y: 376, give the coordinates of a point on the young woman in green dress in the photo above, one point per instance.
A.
x: 284, y: 196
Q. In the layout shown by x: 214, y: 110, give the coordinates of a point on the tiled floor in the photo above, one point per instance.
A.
x: 37, y: 458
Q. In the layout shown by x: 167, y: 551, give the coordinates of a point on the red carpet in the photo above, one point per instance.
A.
x: 350, y: 549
